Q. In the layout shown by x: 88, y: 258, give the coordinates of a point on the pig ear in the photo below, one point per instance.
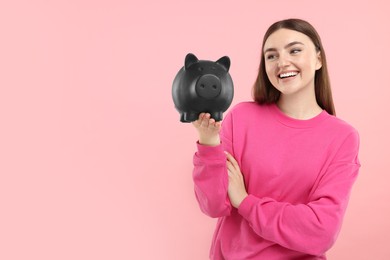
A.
x: 189, y: 60
x: 225, y: 62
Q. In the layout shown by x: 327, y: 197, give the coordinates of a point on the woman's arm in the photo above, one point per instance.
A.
x: 311, y: 228
x: 210, y: 171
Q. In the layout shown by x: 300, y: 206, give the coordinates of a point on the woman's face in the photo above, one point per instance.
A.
x: 291, y: 60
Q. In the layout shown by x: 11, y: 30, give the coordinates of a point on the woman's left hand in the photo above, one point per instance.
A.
x: 236, y: 189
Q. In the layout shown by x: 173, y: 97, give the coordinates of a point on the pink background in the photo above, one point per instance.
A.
x: 94, y: 163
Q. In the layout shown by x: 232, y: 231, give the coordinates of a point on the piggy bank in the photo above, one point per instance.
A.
x: 202, y: 86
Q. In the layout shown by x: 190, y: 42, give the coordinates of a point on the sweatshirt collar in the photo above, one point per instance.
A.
x: 297, y: 123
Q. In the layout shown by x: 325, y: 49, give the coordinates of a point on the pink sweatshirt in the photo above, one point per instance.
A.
x: 298, y: 174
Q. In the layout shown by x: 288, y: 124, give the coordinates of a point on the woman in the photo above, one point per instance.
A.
x: 278, y: 171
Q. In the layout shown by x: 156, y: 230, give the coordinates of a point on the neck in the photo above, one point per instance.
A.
x: 300, y: 105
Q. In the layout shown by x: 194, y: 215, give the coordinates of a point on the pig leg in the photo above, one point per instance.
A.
x: 217, y: 116
x: 187, y: 117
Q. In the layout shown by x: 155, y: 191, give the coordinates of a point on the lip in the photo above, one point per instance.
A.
x: 287, y: 71
x: 287, y: 78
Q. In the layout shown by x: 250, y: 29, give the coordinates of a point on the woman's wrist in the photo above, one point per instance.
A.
x: 210, y: 141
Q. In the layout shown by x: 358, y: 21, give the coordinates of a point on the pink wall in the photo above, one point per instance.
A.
x: 94, y: 163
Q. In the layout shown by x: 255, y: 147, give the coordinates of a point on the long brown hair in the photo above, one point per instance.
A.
x: 265, y: 93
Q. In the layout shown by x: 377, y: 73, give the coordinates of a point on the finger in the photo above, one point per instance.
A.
x: 205, y: 120
x: 232, y: 170
x: 212, y: 122
x: 230, y: 166
x: 232, y: 160
x: 197, y: 122
x: 231, y: 176
x: 200, y: 118
x: 216, y: 125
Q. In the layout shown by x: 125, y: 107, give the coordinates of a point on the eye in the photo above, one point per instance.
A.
x: 295, y: 51
x: 270, y: 56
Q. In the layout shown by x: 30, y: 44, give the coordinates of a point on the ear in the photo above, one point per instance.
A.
x: 189, y: 60
x: 319, y: 61
x: 225, y: 62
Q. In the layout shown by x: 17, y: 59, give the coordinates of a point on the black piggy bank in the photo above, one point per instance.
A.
x: 202, y: 86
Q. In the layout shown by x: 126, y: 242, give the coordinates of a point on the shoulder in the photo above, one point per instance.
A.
x: 342, y: 131
x: 345, y: 141
x: 341, y: 126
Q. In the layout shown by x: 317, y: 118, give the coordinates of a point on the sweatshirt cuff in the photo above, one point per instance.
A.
x: 247, y: 205
x: 211, y: 152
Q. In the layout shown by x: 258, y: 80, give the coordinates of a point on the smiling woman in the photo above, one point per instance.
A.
x: 279, y: 171
x: 291, y: 62
x: 287, y: 44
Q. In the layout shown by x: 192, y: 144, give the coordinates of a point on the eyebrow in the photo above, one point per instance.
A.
x: 288, y: 45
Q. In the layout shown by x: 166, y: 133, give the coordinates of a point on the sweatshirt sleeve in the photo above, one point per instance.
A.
x: 210, y: 174
x: 313, y: 227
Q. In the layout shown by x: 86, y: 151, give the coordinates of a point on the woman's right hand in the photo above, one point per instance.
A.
x: 208, y: 130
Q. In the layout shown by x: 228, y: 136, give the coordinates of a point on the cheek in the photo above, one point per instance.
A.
x: 269, y: 71
x: 308, y: 62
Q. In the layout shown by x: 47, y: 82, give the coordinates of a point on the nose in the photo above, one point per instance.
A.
x: 208, y: 86
x: 283, y: 61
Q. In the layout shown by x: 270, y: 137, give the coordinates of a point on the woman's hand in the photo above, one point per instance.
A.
x: 236, y: 189
x: 208, y: 130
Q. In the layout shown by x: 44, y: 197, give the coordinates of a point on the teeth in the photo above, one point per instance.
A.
x: 288, y: 74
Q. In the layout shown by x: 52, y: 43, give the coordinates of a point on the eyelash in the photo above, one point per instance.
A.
x: 293, y: 51
x: 270, y: 57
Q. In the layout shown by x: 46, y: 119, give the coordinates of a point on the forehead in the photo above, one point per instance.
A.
x: 282, y: 37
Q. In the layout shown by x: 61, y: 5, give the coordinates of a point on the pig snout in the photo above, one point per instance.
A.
x: 208, y: 86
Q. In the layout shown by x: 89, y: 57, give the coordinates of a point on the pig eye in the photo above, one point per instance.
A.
x: 200, y: 69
